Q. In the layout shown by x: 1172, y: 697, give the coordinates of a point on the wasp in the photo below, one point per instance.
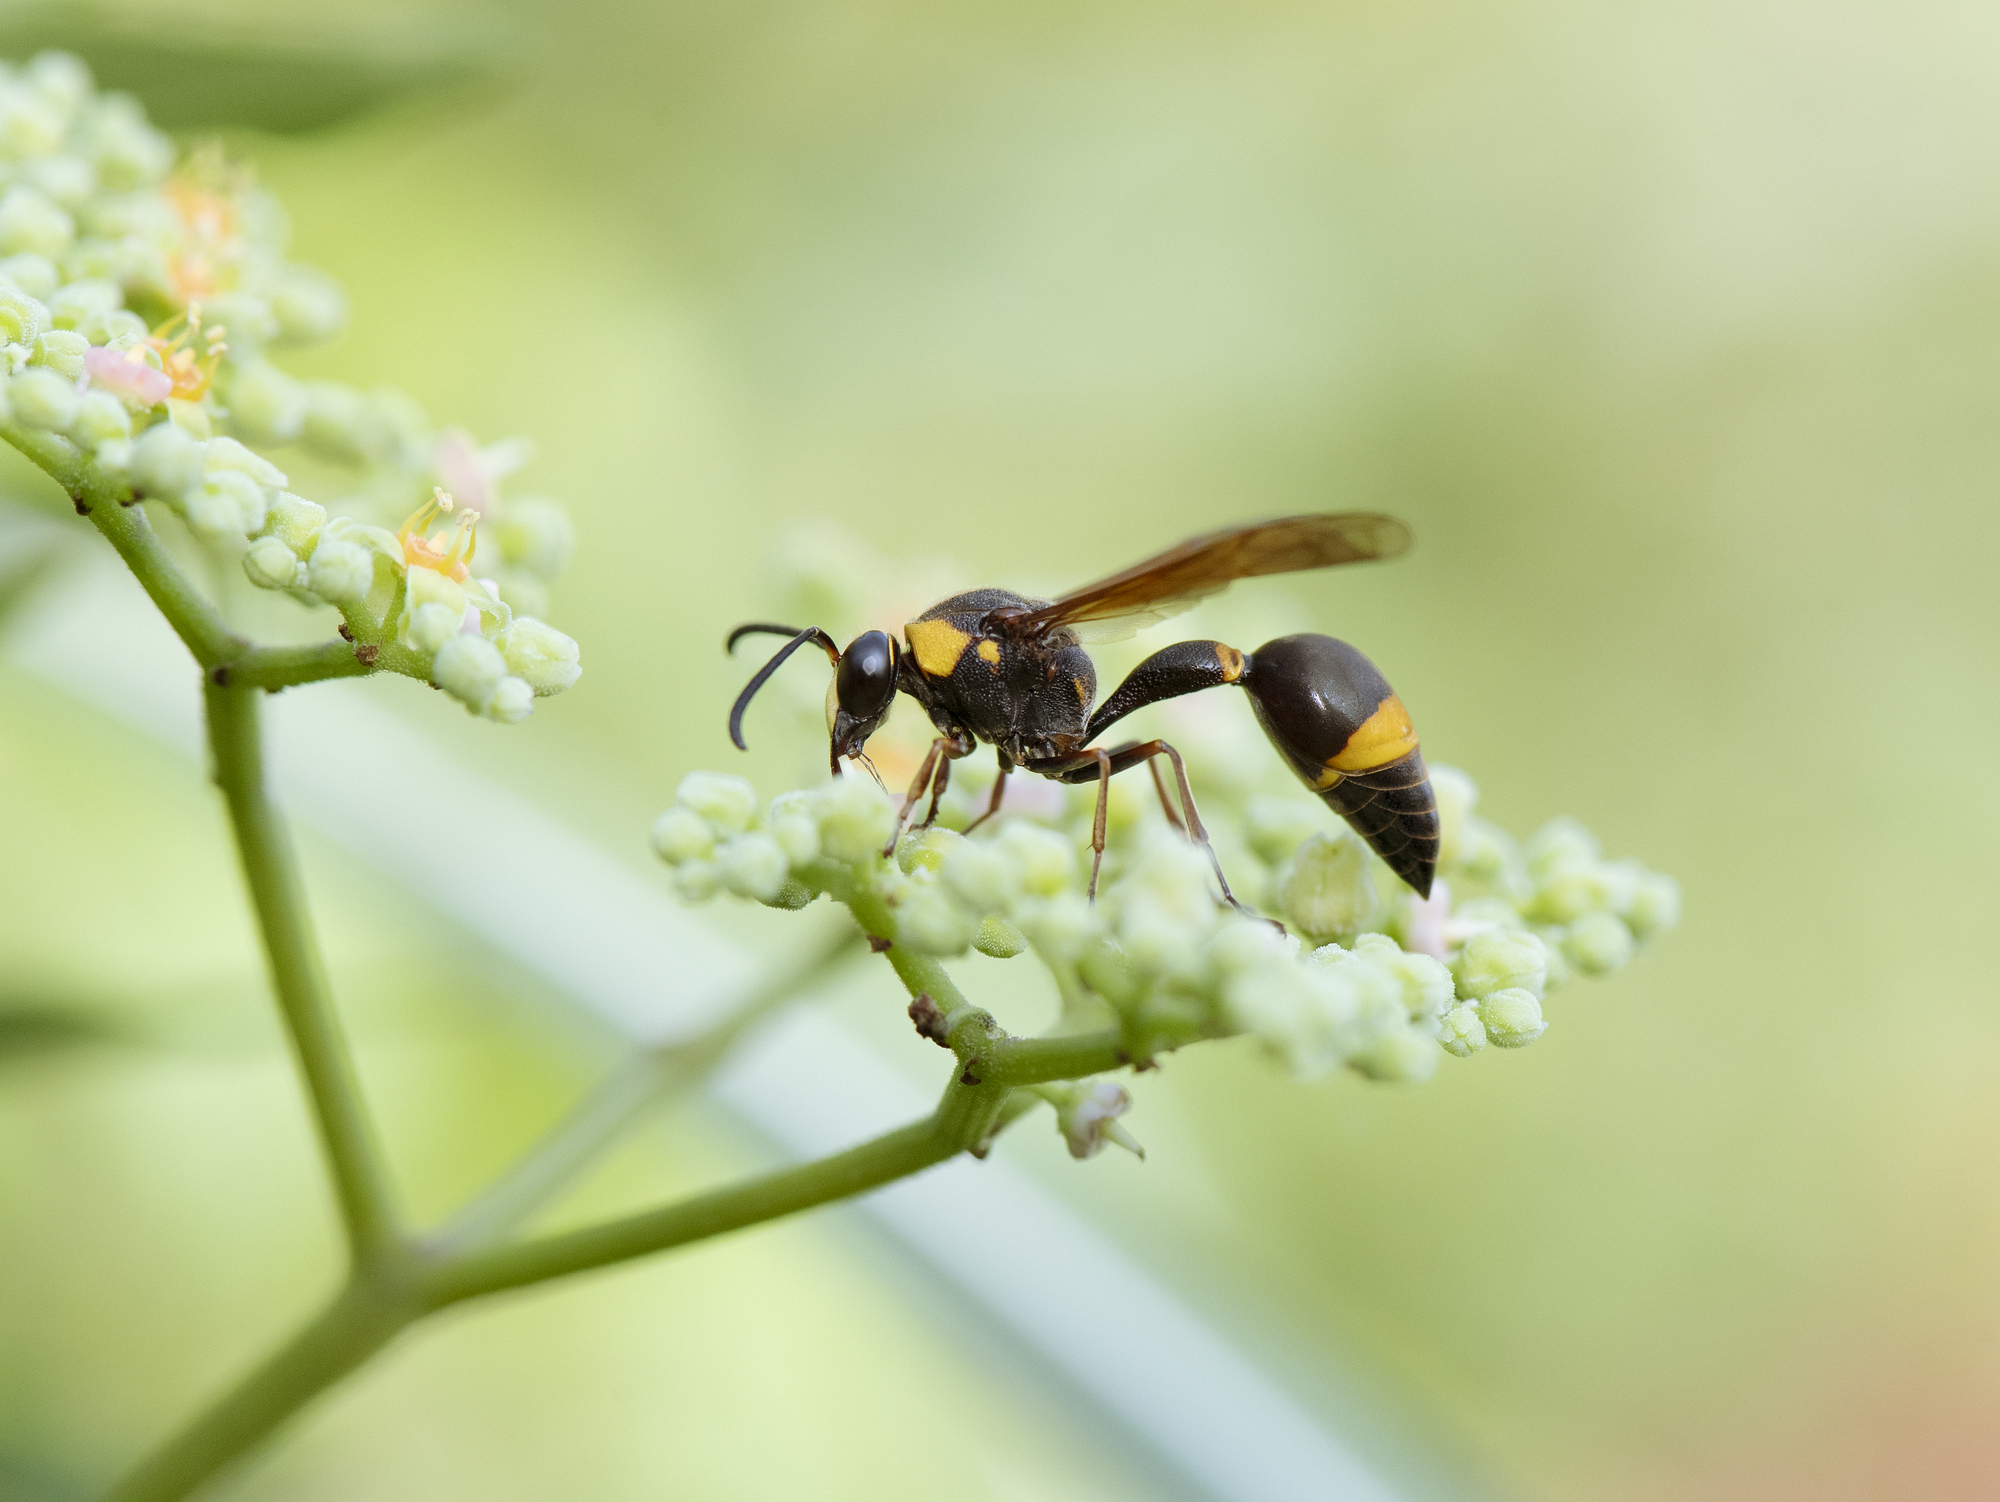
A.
x: 1000, y: 668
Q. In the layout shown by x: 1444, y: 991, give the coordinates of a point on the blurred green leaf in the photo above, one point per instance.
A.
x: 34, y: 1025
x: 194, y: 75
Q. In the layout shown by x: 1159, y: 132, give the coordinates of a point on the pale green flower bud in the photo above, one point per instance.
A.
x: 61, y: 350
x: 1597, y: 944
x: 697, y: 881
x: 925, y: 850
x: 1513, y: 1018
x: 1045, y: 860
x: 1328, y: 889
x: 1460, y: 1032
x: 100, y: 418
x: 245, y: 317
x: 166, y: 461
x: 309, y: 306
x: 1243, y: 944
x: 930, y: 922
x: 296, y: 522
x: 792, y: 896
x: 1652, y: 903
x: 1570, y: 891
x: 470, y: 669
x: 40, y: 398
x: 341, y: 573
x: 1107, y: 973
x: 61, y: 79
x: 272, y: 565
x: 1424, y: 983
x: 1156, y: 939
x: 1501, y: 959
x: 512, y: 702
x: 32, y: 222
x: 1457, y: 795
x: 119, y: 328
x: 1559, y: 845
x: 536, y: 536
x: 234, y: 501
x: 729, y: 804
x: 30, y: 126
x: 981, y: 877
x: 226, y: 454
x: 539, y: 653
x: 855, y: 818
x: 69, y: 180
x: 753, y: 865
x: 37, y: 277
x: 1305, y: 1017
x: 264, y: 403
x: 998, y: 939
x: 1275, y: 827
x: 793, y: 826
x: 681, y: 835
x: 1403, y: 1056
x: 1062, y: 927
x: 69, y: 306
x: 431, y: 625
x: 127, y: 151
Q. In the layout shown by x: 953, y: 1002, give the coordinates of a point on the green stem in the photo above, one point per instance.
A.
x: 604, y: 1114
x: 273, y: 668
x: 361, y: 1319
x: 271, y: 872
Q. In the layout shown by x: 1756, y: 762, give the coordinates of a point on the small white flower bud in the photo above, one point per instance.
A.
x: 30, y: 126
x: 40, y: 398
x: 265, y: 404
x: 61, y: 350
x: 34, y: 223
x: 981, y: 876
x: 1274, y: 828
x: 930, y: 922
x: 729, y: 804
x: 470, y: 669
x: 1061, y: 927
x: 296, y: 521
x: 792, y: 825
x: 1501, y: 959
x: 1045, y: 860
x: 61, y: 79
x: 38, y: 278
x: 100, y: 418
x: 1424, y: 983
x: 166, y: 461
x: 512, y: 702
x: 1652, y: 904
x: 1513, y: 1018
x: 546, y: 658
x: 69, y: 305
x: 119, y: 327
x: 998, y: 939
x: 1559, y: 845
x: 271, y: 565
x: 309, y: 306
x: 697, y: 881
x: 69, y: 180
x: 1156, y: 939
x: 753, y: 865
x: 926, y: 849
x: 228, y: 455
x: 1597, y: 943
x: 536, y: 536
x: 431, y: 625
x: 1328, y: 889
x: 855, y: 818
x: 1460, y: 1032
x: 1402, y: 1056
x: 243, y: 495
x: 341, y: 573
x: 681, y: 835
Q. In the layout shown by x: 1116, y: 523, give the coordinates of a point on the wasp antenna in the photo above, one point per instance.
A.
x: 811, y: 634
x: 764, y: 628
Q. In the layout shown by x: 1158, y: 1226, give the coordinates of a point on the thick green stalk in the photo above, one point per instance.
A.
x: 271, y: 872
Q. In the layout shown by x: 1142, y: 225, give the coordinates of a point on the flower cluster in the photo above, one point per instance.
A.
x: 1357, y: 972
x: 141, y: 298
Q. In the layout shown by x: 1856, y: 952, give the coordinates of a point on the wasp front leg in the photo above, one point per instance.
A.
x: 934, y: 772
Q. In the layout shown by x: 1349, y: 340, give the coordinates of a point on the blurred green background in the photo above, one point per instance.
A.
x: 1673, y: 329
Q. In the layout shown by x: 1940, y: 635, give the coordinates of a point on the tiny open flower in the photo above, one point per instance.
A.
x: 126, y: 374
x: 1087, y: 1116
x: 188, y: 355
x: 449, y: 553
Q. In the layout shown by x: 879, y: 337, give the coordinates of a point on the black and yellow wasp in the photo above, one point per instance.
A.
x: 990, y: 665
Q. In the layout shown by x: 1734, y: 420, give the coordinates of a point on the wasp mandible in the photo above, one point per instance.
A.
x: 990, y: 665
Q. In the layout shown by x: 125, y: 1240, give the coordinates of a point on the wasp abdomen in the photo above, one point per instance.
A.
x: 1336, y: 721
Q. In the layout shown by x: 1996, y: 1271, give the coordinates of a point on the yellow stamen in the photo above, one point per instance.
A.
x: 449, y: 552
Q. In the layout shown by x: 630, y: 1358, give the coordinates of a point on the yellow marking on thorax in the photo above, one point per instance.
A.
x: 989, y: 651
x: 1082, y: 692
x: 1385, y: 736
x: 1231, y: 660
x: 938, y: 645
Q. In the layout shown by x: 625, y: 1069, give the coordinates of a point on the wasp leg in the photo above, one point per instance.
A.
x: 922, y: 781
x: 1166, y: 798
x: 1086, y: 764
x: 999, y: 787
x: 938, y: 784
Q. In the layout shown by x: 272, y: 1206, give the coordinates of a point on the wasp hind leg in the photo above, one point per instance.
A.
x: 999, y: 788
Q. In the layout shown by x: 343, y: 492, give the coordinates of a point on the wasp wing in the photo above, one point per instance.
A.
x: 1112, y: 609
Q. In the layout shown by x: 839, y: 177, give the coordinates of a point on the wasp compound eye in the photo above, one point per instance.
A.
x: 865, y: 681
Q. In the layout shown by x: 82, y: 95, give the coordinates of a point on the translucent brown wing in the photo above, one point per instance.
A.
x: 1114, y: 608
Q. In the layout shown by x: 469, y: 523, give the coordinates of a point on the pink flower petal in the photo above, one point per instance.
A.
x: 118, y: 373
